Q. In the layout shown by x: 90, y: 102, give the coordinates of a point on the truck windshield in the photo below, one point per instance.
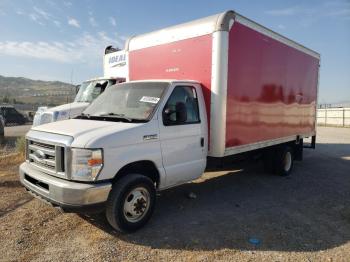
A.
x: 89, y: 90
x: 127, y: 102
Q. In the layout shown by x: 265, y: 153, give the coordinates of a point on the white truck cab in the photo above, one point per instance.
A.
x: 115, y: 69
x: 142, y: 136
x: 88, y: 91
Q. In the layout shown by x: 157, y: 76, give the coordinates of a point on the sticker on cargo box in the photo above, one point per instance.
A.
x: 150, y: 99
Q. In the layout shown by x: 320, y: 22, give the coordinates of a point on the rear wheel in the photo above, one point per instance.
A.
x: 285, y: 161
x: 279, y: 160
x: 131, y: 202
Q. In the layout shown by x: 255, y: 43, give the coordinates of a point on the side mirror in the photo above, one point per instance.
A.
x: 181, y: 113
x: 166, y: 116
x: 77, y: 87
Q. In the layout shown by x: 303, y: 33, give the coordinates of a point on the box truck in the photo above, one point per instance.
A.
x: 210, y: 89
x: 115, y: 70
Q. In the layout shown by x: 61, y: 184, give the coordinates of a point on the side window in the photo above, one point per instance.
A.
x: 181, y: 107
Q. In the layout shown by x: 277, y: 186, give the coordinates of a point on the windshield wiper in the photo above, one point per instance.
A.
x: 110, y: 116
x: 83, y: 116
x: 114, y: 115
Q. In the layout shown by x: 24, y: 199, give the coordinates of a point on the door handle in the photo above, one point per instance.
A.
x: 202, y: 141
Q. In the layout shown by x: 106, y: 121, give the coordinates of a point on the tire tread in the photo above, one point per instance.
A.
x: 118, y: 190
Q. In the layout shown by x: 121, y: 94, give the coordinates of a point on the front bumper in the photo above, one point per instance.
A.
x: 64, y: 193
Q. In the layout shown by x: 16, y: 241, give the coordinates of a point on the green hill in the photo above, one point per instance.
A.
x: 30, y: 91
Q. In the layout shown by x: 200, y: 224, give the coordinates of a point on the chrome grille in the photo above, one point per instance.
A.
x: 47, y: 157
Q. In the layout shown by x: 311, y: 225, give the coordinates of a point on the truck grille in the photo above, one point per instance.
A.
x: 47, y: 157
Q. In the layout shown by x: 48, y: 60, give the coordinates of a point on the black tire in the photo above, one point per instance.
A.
x: 123, y: 188
x: 284, y: 161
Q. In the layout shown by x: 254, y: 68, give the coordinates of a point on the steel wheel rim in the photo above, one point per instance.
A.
x: 136, y: 204
x: 287, y: 161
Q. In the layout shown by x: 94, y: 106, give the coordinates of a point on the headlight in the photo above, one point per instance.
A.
x: 86, y: 164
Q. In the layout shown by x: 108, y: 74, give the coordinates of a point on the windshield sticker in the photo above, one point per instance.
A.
x: 150, y: 99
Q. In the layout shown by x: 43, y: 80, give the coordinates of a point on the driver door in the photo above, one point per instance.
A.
x: 182, y: 138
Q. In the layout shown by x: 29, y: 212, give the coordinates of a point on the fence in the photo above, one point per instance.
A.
x: 333, y: 117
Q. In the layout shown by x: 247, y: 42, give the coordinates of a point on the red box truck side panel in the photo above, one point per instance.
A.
x: 271, y: 90
x: 188, y: 59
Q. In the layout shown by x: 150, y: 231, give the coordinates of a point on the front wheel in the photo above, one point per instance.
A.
x: 131, y: 202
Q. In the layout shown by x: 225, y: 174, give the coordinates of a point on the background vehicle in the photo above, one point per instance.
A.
x: 87, y: 92
x: 115, y: 71
x: 2, y: 131
x: 253, y: 91
x: 9, y: 116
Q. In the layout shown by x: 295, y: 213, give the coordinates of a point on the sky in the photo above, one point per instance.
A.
x: 65, y: 40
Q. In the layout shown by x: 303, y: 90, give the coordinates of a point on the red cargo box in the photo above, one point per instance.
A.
x: 260, y: 88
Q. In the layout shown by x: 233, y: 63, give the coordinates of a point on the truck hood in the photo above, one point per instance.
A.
x: 66, y: 110
x: 92, y: 133
x: 74, y: 105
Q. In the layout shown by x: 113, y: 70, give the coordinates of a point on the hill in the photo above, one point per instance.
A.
x: 31, y: 91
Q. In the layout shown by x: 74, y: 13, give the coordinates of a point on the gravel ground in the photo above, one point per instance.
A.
x: 304, y: 217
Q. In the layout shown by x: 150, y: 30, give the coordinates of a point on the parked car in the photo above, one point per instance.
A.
x: 2, y: 131
x: 10, y: 116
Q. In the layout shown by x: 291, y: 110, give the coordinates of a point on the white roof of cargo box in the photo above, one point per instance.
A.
x: 204, y: 26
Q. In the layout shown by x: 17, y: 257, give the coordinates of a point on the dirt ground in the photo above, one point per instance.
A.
x: 15, y: 131
x: 304, y: 217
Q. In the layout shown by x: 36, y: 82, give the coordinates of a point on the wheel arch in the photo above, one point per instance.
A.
x: 144, y: 167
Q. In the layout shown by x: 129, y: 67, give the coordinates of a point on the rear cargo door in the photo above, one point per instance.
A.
x: 181, y: 136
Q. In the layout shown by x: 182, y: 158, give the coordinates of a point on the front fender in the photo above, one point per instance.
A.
x: 116, y: 158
